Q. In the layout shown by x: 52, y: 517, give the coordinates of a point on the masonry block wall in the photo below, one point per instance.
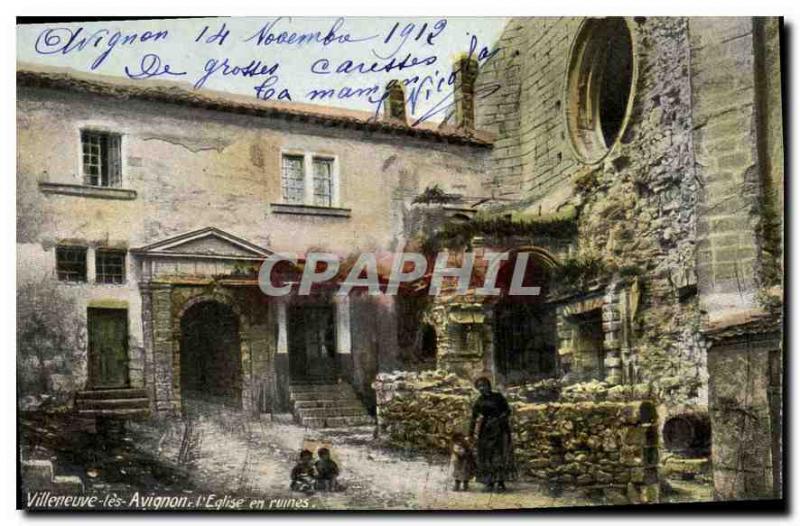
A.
x: 745, y: 389
x: 727, y: 162
x: 636, y: 205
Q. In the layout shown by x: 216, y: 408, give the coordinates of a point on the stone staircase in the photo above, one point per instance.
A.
x: 327, y: 405
x: 113, y: 403
x: 39, y: 475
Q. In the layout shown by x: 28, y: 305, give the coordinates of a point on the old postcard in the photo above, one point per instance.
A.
x: 295, y: 264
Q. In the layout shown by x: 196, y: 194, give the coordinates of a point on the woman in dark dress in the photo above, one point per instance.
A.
x: 495, y: 453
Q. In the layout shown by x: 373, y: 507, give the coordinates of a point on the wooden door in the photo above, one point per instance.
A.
x: 108, y: 348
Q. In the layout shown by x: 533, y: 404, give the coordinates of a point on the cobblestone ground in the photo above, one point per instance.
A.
x: 229, y: 453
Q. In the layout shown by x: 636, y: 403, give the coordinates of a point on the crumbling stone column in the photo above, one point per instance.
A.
x: 612, y: 330
x: 566, y: 336
x: 463, y: 336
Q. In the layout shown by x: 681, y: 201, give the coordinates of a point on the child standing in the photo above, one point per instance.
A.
x: 462, y: 462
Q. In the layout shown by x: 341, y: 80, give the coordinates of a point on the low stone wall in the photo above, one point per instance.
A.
x: 422, y: 410
x: 609, y: 445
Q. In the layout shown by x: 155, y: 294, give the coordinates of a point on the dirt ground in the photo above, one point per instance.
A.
x: 221, y: 452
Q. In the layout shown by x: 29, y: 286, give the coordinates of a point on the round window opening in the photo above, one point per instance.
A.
x: 599, y: 86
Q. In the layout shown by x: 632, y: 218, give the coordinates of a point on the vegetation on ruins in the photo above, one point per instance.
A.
x: 580, y: 269
x: 502, y: 227
x: 435, y: 195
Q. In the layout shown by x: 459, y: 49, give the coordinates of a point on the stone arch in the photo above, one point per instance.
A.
x: 538, y: 256
x: 542, y: 254
x: 524, y: 328
x: 243, y: 339
x: 687, y: 434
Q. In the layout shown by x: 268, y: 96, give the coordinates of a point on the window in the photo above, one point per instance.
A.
x: 308, y: 180
x: 110, y: 266
x: 599, y: 86
x: 71, y: 263
x: 293, y: 179
x: 323, y: 182
x: 101, y: 158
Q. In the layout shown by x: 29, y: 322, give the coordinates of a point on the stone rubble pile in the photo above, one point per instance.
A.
x: 548, y: 390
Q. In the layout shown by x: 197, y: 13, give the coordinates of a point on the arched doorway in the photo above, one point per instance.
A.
x: 210, y: 354
x: 525, y: 338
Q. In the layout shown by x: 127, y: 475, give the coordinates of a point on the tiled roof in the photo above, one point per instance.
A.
x: 173, y: 93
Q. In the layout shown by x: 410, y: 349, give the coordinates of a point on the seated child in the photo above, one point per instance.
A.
x: 303, y: 475
x: 462, y: 462
x: 327, y: 470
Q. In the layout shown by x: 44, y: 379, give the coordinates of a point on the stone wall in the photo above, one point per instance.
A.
x: 727, y: 159
x: 746, y: 416
x: 612, y: 446
x: 636, y: 207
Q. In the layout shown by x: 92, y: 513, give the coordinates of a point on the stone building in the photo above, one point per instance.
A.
x: 639, y: 162
x: 634, y: 166
x: 145, y: 211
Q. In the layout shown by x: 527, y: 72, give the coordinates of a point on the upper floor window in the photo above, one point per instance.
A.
x: 102, y: 165
x: 110, y: 266
x: 71, y: 263
x: 308, y: 179
x: 323, y: 181
x: 293, y: 179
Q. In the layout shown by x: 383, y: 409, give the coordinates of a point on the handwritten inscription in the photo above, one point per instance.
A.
x: 151, y: 66
x: 406, y: 49
x: 267, y: 35
x: 64, y: 40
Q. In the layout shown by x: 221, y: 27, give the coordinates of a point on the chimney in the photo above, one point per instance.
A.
x: 465, y: 71
x: 394, y: 102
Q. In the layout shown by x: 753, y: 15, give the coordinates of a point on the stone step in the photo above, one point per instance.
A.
x: 314, y: 381
x: 322, y: 395
x: 334, y: 399
x: 116, y: 413
x: 39, y: 475
x: 111, y: 394
x: 331, y: 411
x: 112, y: 403
x: 337, y: 421
x: 328, y: 405
x: 314, y: 404
x: 67, y: 484
x: 328, y: 388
